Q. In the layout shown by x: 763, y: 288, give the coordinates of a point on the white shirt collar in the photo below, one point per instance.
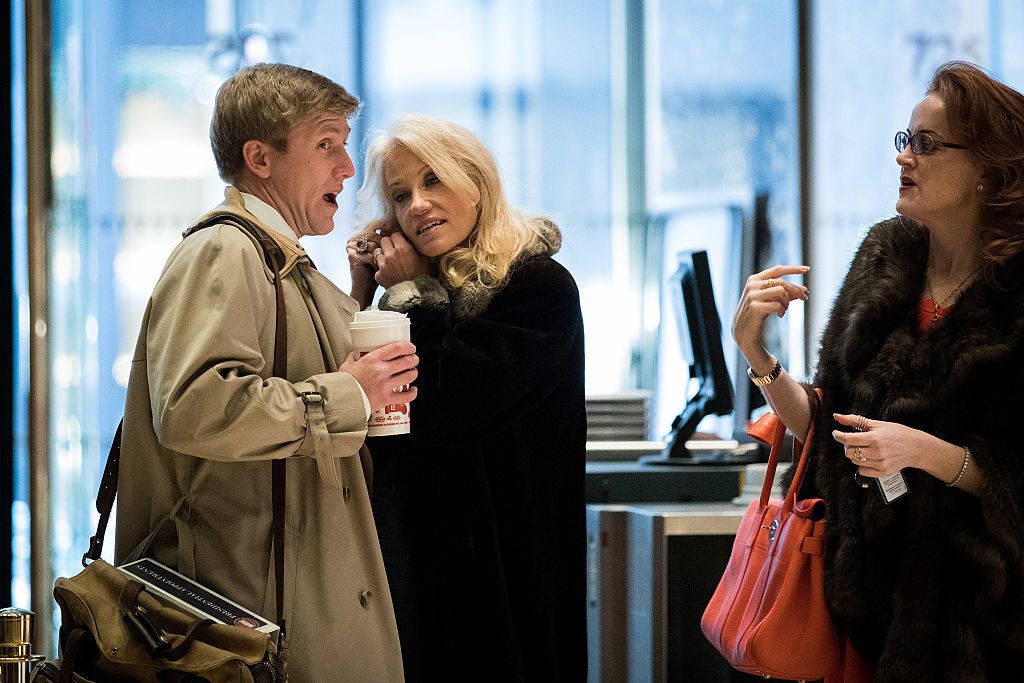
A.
x: 268, y: 215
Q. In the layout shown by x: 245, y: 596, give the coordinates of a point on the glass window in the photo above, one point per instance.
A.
x: 872, y: 62
x: 512, y: 72
x: 133, y: 88
x: 542, y: 83
x: 721, y: 152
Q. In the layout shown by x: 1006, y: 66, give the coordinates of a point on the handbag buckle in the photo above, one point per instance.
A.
x: 773, y: 529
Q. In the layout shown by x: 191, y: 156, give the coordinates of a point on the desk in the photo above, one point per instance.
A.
x: 634, y: 482
x: 651, y: 570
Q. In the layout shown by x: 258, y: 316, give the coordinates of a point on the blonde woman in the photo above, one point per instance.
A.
x: 480, y: 509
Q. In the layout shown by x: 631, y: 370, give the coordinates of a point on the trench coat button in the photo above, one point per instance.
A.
x: 364, y: 599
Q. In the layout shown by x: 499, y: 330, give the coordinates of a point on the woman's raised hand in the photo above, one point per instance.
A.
x: 360, y: 249
x: 764, y: 294
x: 397, y: 260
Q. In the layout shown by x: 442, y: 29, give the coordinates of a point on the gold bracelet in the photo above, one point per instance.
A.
x: 765, y: 380
x: 963, y: 468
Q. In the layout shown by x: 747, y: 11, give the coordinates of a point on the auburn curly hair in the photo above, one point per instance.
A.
x: 989, y: 117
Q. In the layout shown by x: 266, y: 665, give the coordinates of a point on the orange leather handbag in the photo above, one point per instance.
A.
x: 768, y: 615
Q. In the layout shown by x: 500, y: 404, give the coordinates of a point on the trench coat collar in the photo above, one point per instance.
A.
x: 264, y: 215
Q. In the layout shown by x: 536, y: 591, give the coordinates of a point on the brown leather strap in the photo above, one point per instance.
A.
x: 105, y: 497
x: 278, y: 471
x: 70, y: 654
x: 128, y: 598
x: 275, y: 258
x: 195, y: 629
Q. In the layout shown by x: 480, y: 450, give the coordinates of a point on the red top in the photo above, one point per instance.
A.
x: 928, y: 314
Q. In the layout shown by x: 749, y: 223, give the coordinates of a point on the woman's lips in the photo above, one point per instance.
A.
x: 430, y: 227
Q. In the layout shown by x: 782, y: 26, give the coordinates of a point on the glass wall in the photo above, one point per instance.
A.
x: 510, y: 71
x: 723, y: 171
x: 133, y: 84
x: 546, y: 86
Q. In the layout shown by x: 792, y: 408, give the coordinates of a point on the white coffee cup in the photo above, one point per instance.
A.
x: 371, y: 330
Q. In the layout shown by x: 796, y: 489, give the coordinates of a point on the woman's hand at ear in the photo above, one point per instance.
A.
x: 398, y: 261
x: 360, y: 249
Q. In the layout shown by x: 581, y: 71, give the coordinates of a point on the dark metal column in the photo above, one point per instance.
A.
x: 7, y: 326
x: 805, y: 123
x: 39, y: 200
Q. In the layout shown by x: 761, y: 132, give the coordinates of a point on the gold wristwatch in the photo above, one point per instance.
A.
x: 765, y: 380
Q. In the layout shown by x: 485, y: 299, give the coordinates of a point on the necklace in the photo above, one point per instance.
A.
x: 942, y: 304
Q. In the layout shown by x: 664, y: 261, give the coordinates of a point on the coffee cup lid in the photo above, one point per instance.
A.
x: 374, y: 314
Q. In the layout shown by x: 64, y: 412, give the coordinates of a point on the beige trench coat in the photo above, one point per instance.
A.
x: 204, y: 418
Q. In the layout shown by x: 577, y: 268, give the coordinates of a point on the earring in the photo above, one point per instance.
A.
x: 980, y: 187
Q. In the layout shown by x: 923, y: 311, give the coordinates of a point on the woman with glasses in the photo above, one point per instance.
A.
x: 917, y: 441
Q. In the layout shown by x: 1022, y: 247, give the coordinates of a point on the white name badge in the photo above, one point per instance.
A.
x: 892, y: 486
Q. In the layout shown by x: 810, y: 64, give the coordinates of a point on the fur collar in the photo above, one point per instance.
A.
x: 891, y: 368
x: 471, y: 299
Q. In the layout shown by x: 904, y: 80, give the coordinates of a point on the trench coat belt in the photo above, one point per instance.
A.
x: 322, y: 451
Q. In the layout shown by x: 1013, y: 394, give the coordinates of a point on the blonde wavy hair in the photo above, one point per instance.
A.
x: 463, y: 163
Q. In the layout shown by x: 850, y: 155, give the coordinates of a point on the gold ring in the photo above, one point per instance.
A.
x: 768, y: 284
x: 361, y: 244
x: 857, y: 454
x: 377, y: 252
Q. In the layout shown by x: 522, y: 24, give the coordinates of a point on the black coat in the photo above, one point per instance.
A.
x: 930, y: 587
x: 480, y: 510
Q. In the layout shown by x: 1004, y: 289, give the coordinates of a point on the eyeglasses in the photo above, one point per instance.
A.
x: 921, y: 143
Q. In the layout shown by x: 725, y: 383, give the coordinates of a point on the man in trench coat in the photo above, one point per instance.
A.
x: 205, y: 415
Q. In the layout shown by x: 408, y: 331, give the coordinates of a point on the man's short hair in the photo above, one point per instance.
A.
x: 265, y: 102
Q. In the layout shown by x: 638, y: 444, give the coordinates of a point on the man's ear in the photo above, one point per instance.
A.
x: 254, y: 153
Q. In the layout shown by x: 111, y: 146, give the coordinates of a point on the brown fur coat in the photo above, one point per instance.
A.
x: 930, y: 587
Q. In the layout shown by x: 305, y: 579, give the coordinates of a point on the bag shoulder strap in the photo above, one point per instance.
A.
x: 274, y: 258
x: 105, y: 497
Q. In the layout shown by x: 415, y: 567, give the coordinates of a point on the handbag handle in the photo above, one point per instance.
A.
x: 770, y: 429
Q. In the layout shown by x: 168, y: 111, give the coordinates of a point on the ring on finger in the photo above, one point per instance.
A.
x: 361, y: 244
x: 858, y: 454
x: 768, y: 284
x: 377, y: 252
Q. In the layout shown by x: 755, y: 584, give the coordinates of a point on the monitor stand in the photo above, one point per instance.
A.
x: 682, y: 450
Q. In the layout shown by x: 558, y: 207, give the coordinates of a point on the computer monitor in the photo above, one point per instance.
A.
x: 755, y: 254
x: 695, y: 306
